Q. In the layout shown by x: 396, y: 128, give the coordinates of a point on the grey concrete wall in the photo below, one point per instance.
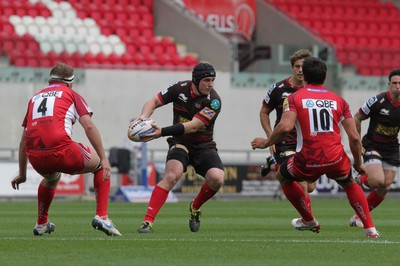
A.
x: 118, y: 95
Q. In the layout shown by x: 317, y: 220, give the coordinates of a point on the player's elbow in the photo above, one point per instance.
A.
x: 285, y: 128
x: 192, y: 129
x: 354, y: 138
x: 89, y: 127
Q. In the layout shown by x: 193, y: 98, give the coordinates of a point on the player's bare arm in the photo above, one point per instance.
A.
x: 149, y: 107
x: 266, y: 124
x: 358, y: 118
x: 354, y: 143
x: 147, y: 110
x: 22, y: 162
x: 93, y: 135
x: 279, y: 133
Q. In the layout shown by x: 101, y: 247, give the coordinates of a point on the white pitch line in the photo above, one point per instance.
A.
x: 366, y: 241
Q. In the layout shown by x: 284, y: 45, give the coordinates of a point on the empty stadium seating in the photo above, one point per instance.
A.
x: 361, y: 31
x: 86, y: 34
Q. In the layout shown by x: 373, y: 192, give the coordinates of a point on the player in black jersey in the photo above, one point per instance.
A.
x: 381, y: 144
x: 196, y: 106
x: 274, y: 101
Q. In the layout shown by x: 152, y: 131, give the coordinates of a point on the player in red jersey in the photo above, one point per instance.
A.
x: 46, y: 142
x: 274, y: 101
x: 316, y: 112
x: 381, y: 144
x: 196, y: 106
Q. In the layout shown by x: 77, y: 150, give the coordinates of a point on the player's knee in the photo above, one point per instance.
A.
x: 218, y: 183
x: 97, y: 168
x: 51, y: 181
x: 311, y: 187
x: 378, y: 184
x: 215, y: 176
x: 171, y: 178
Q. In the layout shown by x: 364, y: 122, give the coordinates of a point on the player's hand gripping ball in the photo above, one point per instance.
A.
x: 138, y: 130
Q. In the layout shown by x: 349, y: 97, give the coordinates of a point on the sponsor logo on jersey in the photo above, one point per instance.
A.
x: 309, y: 103
x: 365, y: 109
x: 208, y: 113
x: 215, y: 104
x: 271, y: 89
x: 48, y: 94
x: 285, y: 94
x: 267, y: 98
x: 182, y: 97
x: 371, y: 101
x: 386, y: 131
x: 320, y: 103
x: 52, y: 94
x: 285, y: 106
x: 317, y: 90
x: 384, y: 111
x: 182, y: 119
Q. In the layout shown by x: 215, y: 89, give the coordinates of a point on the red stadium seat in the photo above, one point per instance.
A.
x: 143, y: 9
x: 342, y: 56
x: 158, y: 50
x: 147, y: 33
x: 171, y: 50
x: 386, y: 42
x: 131, y: 49
x: 145, y: 49
x: 374, y: 42
x: 134, y: 33
x: 32, y: 61
x: 122, y: 32
x: 190, y: 60
x: 128, y: 59
x: 131, y: 20
x: 148, y: 3
x: 109, y: 16
x: 19, y: 61
x: 122, y: 16
x: 134, y: 17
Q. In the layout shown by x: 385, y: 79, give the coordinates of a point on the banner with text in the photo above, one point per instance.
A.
x: 232, y: 17
x: 68, y: 184
x: 247, y: 181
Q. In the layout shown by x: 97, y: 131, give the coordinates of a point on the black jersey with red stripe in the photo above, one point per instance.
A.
x: 187, y: 105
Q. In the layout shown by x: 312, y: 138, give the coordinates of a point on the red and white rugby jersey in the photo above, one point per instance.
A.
x: 319, y: 112
x: 51, y: 114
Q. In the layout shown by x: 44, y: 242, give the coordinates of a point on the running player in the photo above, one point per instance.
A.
x: 196, y: 106
x: 381, y: 144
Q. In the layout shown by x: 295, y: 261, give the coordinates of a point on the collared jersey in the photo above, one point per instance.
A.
x: 187, y: 105
x: 274, y: 99
x: 51, y: 114
x: 319, y: 112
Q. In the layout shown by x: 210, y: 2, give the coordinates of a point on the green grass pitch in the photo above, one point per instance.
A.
x: 233, y: 232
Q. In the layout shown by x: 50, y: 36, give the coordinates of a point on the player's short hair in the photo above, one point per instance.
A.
x: 62, y: 73
x: 394, y: 72
x: 300, y: 54
x: 200, y: 71
x: 314, y: 70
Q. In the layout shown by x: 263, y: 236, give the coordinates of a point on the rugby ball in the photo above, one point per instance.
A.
x: 138, y: 130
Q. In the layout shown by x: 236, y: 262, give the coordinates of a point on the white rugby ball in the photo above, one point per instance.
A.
x: 140, y: 129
